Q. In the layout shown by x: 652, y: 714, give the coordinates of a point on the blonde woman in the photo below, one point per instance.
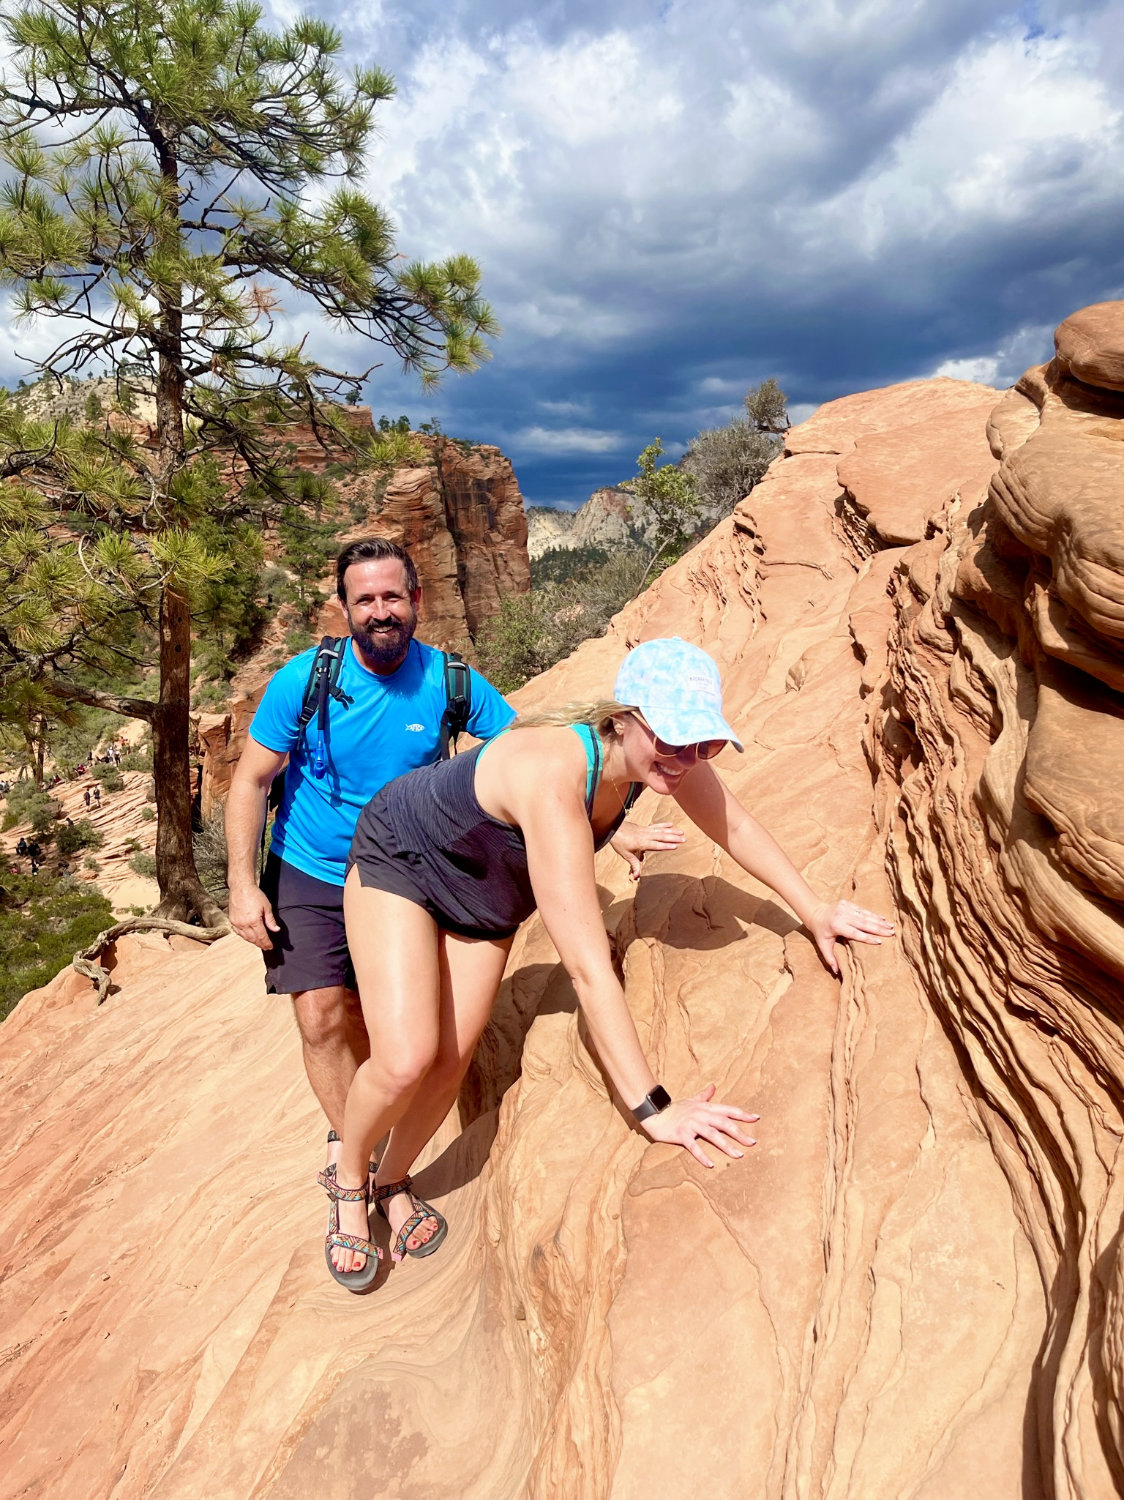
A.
x: 449, y: 860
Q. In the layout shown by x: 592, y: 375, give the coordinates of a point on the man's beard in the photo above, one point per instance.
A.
x: 385, y: 649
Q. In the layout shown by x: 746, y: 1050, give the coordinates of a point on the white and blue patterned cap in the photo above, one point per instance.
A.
x: 677, y: 688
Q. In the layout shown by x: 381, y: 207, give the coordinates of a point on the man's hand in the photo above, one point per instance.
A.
x: 252, y: 917
x: 633, y: 840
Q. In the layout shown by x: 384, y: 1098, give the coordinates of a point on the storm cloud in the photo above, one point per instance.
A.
x: 672, y: 202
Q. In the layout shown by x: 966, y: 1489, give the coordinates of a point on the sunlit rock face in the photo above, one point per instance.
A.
x: 909, y: 1287
x: 1004, y: 736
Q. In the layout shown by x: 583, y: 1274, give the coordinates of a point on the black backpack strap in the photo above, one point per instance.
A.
x: 458, y: 701
x: 323, y: 679
x: 322, y: 685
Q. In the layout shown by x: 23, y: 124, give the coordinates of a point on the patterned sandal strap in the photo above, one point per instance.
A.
x: 392, y: 1189
x: 422, y: 1211
x: 353, y: 1242
x: 327, y: 1180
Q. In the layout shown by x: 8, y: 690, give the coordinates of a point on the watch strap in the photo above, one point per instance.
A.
x: 652, y: 1104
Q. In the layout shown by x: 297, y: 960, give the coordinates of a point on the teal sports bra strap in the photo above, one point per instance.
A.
x: 592, y: 742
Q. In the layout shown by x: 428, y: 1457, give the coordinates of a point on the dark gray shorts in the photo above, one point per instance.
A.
x: 310, y: 951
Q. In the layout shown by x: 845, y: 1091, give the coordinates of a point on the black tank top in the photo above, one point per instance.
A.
x: 470, y: 866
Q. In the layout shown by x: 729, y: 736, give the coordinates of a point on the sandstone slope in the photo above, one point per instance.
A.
x: 910, y: 1287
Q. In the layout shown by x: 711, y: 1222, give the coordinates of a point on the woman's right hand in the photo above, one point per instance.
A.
x: 686, y: 1122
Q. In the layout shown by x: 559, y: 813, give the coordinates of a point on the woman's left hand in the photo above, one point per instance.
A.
x: 689, y: 1122
x: 845, y: 920
x: 633, y: 840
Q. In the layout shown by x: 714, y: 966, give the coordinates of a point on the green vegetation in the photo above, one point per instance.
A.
x: 576, y: 591
x: 671, y: 507
x: 533, y: 631
x: 24, y: 800
x: 308, y: 548
x: 143, y: 864
x: 110, y: 778
x: 726, y: 462
x: 43, y: 923
x: 168, y: 171
x: 558, y: 564
x: 71, y: 837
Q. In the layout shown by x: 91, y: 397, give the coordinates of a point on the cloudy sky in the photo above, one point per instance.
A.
x: 672, y: 201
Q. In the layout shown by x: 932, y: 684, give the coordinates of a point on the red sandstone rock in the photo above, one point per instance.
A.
x: 911, y: 1286
x: 1090, y: 345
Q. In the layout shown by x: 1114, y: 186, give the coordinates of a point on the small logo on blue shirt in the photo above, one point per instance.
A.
x: 416, y: 728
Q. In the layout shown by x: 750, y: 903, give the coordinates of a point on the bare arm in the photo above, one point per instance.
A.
x: 251, y: 915
x: 549, y: 805
x: 713, y: 808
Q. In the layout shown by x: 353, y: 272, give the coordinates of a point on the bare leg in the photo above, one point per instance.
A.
x: 470, y: 976
x: 333, y: 1042
x: 394, y: 947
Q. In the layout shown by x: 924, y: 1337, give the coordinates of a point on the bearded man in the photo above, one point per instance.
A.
x: 391, y: 725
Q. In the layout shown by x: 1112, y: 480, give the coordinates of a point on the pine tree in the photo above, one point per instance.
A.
x: 160, y: 158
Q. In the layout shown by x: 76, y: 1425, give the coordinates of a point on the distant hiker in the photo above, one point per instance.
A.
x: 33, y: 850
x: 448, y: 861
x: 384, y: 715
x: 87, y: 795
x: 21, y: 847
x: 97, y: 796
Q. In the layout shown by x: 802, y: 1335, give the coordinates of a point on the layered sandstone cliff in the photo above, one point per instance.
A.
x: 910, y: 1287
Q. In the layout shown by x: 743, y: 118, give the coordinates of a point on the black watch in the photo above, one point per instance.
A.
x: 652, y: 1104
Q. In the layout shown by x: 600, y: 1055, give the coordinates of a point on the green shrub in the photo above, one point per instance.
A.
x: 727, y: 462
x: 81, y: 835
x: 138, y: 759
x: 147, y: 814
x: 143, y: 864
x: 45, y: 814
x: 22, y: 800
x: 110, y: 778
x: 43, y: 923
x: 91, y: 864
x: 298, y: 640
x: 394, y: 449
x: 558, y: 564
x: 533, y: 631
x: 212, y: 695
x: 27, y: 804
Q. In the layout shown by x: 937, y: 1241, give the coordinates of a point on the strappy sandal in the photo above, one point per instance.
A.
x: 355, y: 1281
x: 372, y: 1167
x: 422, y: 1211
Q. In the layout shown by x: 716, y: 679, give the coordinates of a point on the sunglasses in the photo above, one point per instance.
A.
x: 703, y: 750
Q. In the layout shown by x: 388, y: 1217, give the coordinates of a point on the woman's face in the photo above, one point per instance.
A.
x: 657, y: 765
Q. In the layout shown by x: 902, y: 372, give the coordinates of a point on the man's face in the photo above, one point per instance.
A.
x: 381, y: 611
